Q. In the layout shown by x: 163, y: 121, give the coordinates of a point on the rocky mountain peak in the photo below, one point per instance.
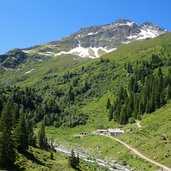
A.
x: 95, y: 41
x: 152, y: 26
x: 123, y: 22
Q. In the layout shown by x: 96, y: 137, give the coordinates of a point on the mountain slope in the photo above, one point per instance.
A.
x: 153, y: 137
x: 92, y: 42
x: 77, y: 89
x: 95, y: 41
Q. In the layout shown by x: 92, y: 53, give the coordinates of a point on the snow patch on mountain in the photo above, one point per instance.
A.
x: 85, y: 52
x: 94, y: 41
x: 147, y: 33
x: 132, y: 37
x: 29, y: 71
x: 91, y: 33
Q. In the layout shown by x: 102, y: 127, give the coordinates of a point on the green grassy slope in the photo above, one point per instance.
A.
x: 104, y: 78
x: 40, y: 68
x: 142, y: 49
x: 147, y: 139
x: 154, y: 137
x: 39, y: 160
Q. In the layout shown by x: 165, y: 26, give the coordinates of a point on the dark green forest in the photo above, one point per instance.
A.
x: 148, y: 89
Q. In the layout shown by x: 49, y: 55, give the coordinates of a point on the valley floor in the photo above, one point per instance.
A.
x: 147, y: 139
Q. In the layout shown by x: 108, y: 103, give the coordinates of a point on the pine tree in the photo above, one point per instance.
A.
x: 123, y: 117
x: 70, y: 94
x: 162, y: 99
x: 7, y: 148
x: 1, y: 151
x: 20, y: 134
x: 129, y: 68
x: 41, y: 137
x: 110, y: 113
x: 108, y: 104
x: 30, y: 133
x: 78, y: 159
x: 73, y: 160
x: 15, y: 115
x: 148, y: 106
x: 159, y: 72
x: 131, y: 84
x: 51, y: 155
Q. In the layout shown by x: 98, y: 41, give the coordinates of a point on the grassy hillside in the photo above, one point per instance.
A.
x: 95, y: 108
x: 39, y: 160
x: 81, y: 86
x: 31, y: 72
x: 142, y: 49
x: 154, y: 137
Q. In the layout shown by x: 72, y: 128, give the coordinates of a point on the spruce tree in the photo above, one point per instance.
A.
x: 131, y: 84
x: 70, y: 94
x: 73, y: 160
x: 129, y: 68
x: 30, y: 133
x: 15, y: 114
x: 7, y: 148
x: 51, y: 155
x: 108, y: 104
x: 41, y: 137
x: 148, y: 107
x: 123, y: 117
x: 1, y: 151
x: 110, y: 113
x: 20, y: 134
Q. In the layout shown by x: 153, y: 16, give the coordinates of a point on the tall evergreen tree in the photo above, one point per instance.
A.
x: 123, y: 117
x: 1, y: 151
x: 15, y: 114
x: 41, y: 137
x: 20, y: 134
x: 129, y: 68
x: 110, y: 113
x: 7, y: 148
x: 30, y: 133
x: 73, y: 160
x: 108, y: 104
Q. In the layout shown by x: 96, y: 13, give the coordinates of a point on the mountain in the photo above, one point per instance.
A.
x: 96, y: 41
x: 69, y: 94
x: 89, y: 42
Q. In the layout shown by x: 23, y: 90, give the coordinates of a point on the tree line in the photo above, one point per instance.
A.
x: 39, y: 108
x: 149, y: 88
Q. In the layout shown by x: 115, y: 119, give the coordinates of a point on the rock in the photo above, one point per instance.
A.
x: 163, y: 137
x: 13, y: 58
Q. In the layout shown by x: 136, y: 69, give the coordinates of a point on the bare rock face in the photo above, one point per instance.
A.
x: 113, y: 35
x: 13, y: 58
x: 95, y: 41
x: 91, y: 42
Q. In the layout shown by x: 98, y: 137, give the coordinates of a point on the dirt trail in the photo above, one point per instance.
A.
x: 139, y: 154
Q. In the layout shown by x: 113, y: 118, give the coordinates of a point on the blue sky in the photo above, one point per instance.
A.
x: 24, y: 23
